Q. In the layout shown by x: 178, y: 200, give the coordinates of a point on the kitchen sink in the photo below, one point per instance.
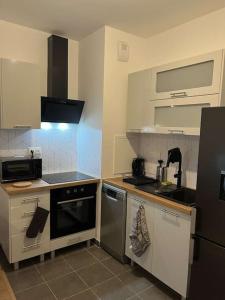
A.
x: 181, y: 195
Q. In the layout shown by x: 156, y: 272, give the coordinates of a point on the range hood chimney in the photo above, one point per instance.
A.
x: 56, y: 107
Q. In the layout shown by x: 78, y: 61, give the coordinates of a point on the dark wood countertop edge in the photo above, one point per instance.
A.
x: 117, y: 182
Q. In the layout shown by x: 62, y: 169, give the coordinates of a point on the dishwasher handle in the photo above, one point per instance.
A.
x: 113, y: 193
x: 111, y: 198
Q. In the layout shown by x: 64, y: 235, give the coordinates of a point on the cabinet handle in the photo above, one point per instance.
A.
x: 178, y: 95
x: 29, y: 200
x: 176, y: 131
x: 29, y: 213
x: 22, y: 126
x: 165, y: 211
x: 31, y: 246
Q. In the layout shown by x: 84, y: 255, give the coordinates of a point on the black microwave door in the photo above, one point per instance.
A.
x: 16, y: 170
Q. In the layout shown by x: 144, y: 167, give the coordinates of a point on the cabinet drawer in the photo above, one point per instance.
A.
x: 23, y: 208
x: 72, y: 239
x: 21, y: 226
x: 23, y: 248
x: 43, y: 199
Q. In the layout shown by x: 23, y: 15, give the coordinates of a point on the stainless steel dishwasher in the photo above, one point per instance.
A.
x: 113, y: 221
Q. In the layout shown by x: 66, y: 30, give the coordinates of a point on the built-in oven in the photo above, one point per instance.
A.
x: 72, y: 209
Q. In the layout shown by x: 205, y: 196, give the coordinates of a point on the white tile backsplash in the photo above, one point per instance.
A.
x: 58, y: 146
x: 155, y: 146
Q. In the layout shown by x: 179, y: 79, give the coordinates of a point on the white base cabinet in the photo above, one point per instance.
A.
x: 133, y: 203
x: 15, y: 216
x: 169, y: 256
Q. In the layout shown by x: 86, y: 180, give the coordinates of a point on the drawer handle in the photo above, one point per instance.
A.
x: 178, y: 95
x: 165, y: 211
x: 176, y: 131
x: 37, y: 245
x: 22, y: 126
x: 30, y: 200
x: 29, y: 213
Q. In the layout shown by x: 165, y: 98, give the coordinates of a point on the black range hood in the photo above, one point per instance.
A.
x: 56, y: 107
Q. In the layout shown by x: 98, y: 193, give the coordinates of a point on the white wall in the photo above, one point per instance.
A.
x: 199, y: 36
x: 58, y: 146
x: 115, y: 89
x: 91, y: 88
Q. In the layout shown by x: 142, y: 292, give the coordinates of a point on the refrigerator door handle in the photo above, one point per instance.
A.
x: 196, y: 248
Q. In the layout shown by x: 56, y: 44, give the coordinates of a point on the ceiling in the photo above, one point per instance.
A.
x: 78, y: 18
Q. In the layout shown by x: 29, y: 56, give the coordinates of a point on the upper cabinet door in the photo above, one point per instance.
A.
x: 20, y: 95
x: 190, y: 77
x: 138, y: 105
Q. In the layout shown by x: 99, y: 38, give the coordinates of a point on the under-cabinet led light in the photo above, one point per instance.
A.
x: 46, y: 125
x: 63, y: 126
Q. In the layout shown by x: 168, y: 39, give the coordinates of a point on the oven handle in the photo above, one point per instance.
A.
x: 75, y: 200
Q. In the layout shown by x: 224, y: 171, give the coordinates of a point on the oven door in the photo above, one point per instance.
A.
x: 18, y: 170
x: 71, y: 216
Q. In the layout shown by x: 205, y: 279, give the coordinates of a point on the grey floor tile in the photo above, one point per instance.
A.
x: 23, y: 279
x: 53, y: 268
x: 98, y: 252
x: 156, y: 293
x: 80, y: 259
x: 112, y: 289
x: 40, y: 292
x: 86, y: 295
x: 115, y: 266
x: 94, y: 274
x: 136, y: 280
x: 66, y: 286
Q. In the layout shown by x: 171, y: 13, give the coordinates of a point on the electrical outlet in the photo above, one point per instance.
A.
x: 36, y: 152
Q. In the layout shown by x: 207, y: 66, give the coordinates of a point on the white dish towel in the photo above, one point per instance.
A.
x: 139, y: 237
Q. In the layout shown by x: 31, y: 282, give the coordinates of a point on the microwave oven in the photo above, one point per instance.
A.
x: 19, y: 169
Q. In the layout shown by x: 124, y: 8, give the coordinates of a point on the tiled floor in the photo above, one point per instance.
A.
x: 80, y: 273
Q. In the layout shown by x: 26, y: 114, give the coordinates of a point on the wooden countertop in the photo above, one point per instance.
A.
x: 118, y: 182
x: 40, y: 185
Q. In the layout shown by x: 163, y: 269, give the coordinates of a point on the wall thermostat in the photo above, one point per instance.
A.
x: 123, y: 51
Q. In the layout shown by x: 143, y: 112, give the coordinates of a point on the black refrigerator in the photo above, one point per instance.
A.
x: 208, y: 270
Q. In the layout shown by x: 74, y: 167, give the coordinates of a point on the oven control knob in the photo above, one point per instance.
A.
x: 82, y: 189
x: 68, y: 192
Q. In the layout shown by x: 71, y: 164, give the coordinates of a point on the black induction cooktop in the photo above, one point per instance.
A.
x: 65, y: 177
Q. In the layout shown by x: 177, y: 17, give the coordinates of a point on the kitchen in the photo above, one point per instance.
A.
x: 102, y: 148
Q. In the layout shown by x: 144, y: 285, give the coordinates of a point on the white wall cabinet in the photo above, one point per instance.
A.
x: 181, y: 116
x: 138, y: 107
x: 20, y: 95
x: 169, y: 99
x: 15, y: 216
x: 170, y: 253
x: 195, y: 76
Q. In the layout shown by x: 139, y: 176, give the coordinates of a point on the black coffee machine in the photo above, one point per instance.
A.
x: 138, y: 173
x: 138, y: 167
